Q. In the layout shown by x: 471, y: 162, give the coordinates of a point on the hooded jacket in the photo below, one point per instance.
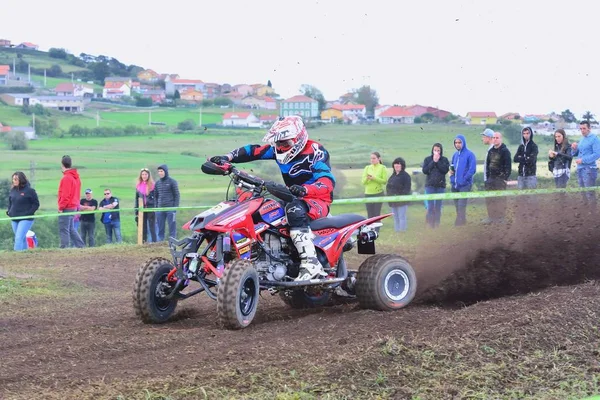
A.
x: 563, y: 158
x: 465, y: 165
x: 436, y: 171
x: 526, y: 155
x: 166, y: 190
x: 22, y: 201
x: 497, y: 163
x: 69, y: 190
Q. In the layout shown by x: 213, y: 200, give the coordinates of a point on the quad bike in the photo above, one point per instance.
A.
x: 242, y: 246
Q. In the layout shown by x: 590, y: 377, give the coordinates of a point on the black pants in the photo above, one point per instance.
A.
x: 149, y: 221
x: 496, y: 206
x: 88, y: 232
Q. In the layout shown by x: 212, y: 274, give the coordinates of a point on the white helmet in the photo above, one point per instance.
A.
x: 288, y: 136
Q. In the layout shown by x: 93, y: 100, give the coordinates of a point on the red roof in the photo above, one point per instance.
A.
x: 348, y: 107
x: 186, y: 81
x: 29, y: 44
x: 65, y: 87
x: 236, y: 115
x: 299, y: 99
x: 269, y: 117
x: 482, y: 114
x: 268, y: 99
x: 4, y: 69
x: 114, y: 84
x: 396, y: 111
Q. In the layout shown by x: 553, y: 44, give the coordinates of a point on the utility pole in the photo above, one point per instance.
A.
x: 149, y: 118
x: 29, y: 73
x: 33, y: 121
x: 200, y: 118
x: 44, y: 77
x: 71, y: 77
x: 97, y: 118
x: 14, y: 68
x: 32, y: 173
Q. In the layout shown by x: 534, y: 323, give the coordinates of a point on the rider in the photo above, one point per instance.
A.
x: 305, y: 168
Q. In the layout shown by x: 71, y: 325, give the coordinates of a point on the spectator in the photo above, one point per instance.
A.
x: 77, y: 220
x: 374, y: 178
x: 498, y: 167
x: 145, y: 190
x: 560, y: 159
x: 111, y: 220
x: 166, y: 195
x: 22, y: 202
x: 526, y: 157
x: 587, y: 152
x: 69, y: 191
x: 487, y: 138
x: 88, y: 221
x: 399, y: 185
x: 435, y: 166
x: 462, y: 170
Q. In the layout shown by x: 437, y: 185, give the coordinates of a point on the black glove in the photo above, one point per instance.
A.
x: 298, y: 190
x: 219, y: 159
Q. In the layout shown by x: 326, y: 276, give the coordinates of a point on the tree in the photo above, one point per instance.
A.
x: 16, y: 140
x: 55, y: 71
x: 57, y: 53
x: 568, y: 116
x: 588, y: 116
x: 269, y: 84
x: 315, y: 94
x: 5, y: 186
x: 187, y: 125
x: 143, y: 102
x: 368, y: 97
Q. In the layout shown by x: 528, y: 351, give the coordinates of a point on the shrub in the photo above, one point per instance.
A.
x: 187, y: 125
x: 16, y: 140
x: 4, y: 189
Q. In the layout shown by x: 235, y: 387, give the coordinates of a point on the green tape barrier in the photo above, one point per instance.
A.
x: 364, y: 200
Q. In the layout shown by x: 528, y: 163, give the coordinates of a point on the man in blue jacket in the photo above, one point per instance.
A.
x: 462, y: 170
x: 586, y: 153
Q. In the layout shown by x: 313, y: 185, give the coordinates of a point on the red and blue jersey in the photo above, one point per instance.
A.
x: 310, y: 168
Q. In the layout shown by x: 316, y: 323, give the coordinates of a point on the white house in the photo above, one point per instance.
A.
x: 71, y: 89
x: 396, y: 115
x: 183, y: 84
x: 116, y: 90
x: 240, y: 119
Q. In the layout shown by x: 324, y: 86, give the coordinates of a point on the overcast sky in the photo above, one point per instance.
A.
x: 524, y: 56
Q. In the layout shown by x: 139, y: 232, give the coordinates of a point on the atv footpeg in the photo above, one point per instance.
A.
x: 309, y: 282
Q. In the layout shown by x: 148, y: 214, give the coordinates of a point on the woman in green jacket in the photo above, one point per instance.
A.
x: 374, y: 179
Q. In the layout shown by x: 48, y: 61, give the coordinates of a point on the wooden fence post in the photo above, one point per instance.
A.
x: 140, y: 225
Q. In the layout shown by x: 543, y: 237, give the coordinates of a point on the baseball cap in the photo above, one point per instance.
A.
x: 488, y: 132
x: 88, y: 191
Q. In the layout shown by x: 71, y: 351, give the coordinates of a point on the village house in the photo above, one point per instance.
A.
x: 119, y: 79
x: 4, y: 73
x: 191, y: 95
x: 240, y: 119
x: 157, y: 96
x: 300, y: 105
x: 348, y: 112
x: 378, y: 110
x: 71, y: 89
x: 511, y: 116
x: 261, y: 90
x: 235, y: 97
x: 268, y: 120
x: 27, y: 45
x: 116, y: 90
x: 147, y: 75
x: 243, y: 89
x: 5, y: 43
x: 265, y: 103
x: 418, y: 110
x: 211, y: 90
x: 396, y: 115
x: 60, y: 103
x: 183, y: 84
x: 482, y: 118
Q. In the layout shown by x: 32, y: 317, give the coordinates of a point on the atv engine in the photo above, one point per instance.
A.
x: 276, y: 268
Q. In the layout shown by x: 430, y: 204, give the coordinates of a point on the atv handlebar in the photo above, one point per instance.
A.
x: 248, y: 181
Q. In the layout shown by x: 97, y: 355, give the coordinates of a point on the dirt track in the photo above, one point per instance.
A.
x: 88, y: 343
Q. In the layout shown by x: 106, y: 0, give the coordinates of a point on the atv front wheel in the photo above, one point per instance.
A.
x: 237, y: 296
x: 385, y: 282
x: 149, y: 291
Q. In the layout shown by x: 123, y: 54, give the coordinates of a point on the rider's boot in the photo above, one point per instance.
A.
x: 310, y: 266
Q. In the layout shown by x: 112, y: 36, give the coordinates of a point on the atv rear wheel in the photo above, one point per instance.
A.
x: 307, y: 298
x: 237, y: 296
x: 385, y: 282
x: 149, y: 289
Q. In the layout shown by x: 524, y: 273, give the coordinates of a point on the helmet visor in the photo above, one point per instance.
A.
x: 284, y: 145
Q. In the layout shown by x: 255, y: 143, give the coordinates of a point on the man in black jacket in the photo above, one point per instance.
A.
x: 167, y: 195
x: 498, y: 167
x: 436, y: 166
x: 526, y: 157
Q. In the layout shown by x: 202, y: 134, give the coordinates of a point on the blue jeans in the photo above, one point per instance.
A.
x: 168, y: 217
x: 527, y: 182
x: 434, y: 207
x: 20, y: 228
x: 399, y: 213
x: 561, y: 181
x: 586, y: 177
x: 113, y: 226
x: 461, y: 206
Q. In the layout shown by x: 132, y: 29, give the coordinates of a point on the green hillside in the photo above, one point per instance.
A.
x: 37, y: 59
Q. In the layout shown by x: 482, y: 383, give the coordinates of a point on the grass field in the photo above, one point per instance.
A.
x: 115, y: 162
x: 37, y: 59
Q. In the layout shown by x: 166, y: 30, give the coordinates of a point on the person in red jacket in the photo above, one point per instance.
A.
x: 69, y: 191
